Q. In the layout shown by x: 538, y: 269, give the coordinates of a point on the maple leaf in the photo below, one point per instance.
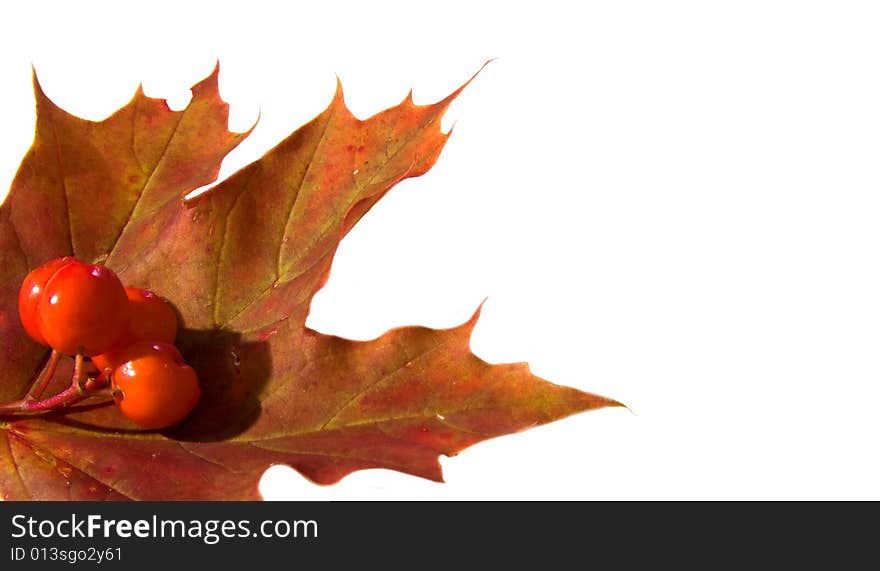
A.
x: 241, y: 264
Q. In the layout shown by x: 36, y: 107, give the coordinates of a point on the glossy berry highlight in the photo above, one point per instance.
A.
x: 30, y: 292
x: 153, y: 386
x: 83, y: 308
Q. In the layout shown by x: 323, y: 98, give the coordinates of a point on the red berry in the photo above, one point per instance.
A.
x: 31, y: 290
x: 83, y: 308
x: 150, y: 319
x: 153, y: 385
x: 151, y: 316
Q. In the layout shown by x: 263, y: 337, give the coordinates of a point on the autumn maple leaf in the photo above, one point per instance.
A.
x: 241, y: 264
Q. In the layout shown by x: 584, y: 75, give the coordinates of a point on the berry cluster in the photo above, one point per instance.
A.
x: 83, y: 310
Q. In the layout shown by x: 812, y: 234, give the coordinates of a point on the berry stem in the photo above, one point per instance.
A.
x: 76, y: 392
x: 79, y: 376
x: 70, y: 395
x: 45, y: 377
x: 95, y: 384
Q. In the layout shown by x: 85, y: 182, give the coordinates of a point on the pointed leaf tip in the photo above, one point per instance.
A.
x: 338, y: 92
x: 38, y: 87
x: 210, y: 84
x: 452, y: 96
x: 472, y: 321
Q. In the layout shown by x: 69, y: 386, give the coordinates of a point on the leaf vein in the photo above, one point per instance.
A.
x: 63, y: 183
x: 15, y: 464
x: 380, y: 381
x: 204, y: 458
x: 223, y: 244
x: 423, y: 415
x: 308, y: 169
x: 34, y: 446
x: 149, y: 178
x: 331, y: 247
x: 374, y: 461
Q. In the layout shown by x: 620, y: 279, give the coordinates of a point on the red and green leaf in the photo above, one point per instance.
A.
x: 241, y: 264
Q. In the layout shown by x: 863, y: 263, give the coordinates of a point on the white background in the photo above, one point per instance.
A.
x: 671, y: 203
